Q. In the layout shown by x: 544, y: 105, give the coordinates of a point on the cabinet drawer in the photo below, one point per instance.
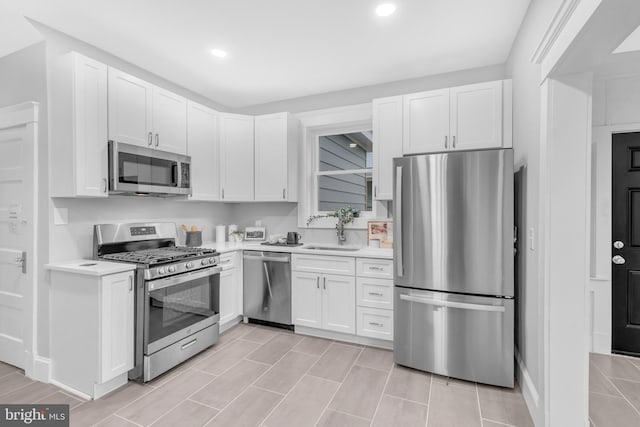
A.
x: 229, y: 260
x: 324, y: 264
x: 374, y: 293
x: 371, y: 267
x: 375, y: 323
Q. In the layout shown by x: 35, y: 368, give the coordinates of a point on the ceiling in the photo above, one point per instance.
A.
x: 280, y: 49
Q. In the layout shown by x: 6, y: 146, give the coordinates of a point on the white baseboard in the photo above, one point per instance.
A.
x: 42, y: 369
x: 356, y: 339
x: 529, y: 392
x: 71, y: 390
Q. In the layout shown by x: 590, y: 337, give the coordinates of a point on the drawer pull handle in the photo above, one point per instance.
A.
x: 377, y: 294
x: 189, y: 344
x: 225, y: 261
x: 376, y: 324
x: 376, y: 268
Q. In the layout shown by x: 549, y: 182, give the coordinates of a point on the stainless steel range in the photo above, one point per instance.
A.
x: 177, y: 293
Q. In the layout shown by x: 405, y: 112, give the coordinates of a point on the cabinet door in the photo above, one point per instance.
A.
x: 90, y: 126
x: 228, y: 295
x: 236, y: 157
x: 129, y: 109
x: 306, y: 299
x: 169, y: 121
x: 116, y: 317
x: 387, y: 140
x: 476, y: 116
x: 426, y: 122
x: 271, y: 161
x: 339, y: 303
x: 202, y: 146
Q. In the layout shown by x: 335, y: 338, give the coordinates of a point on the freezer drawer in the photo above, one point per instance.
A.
x: 460, y: 336
x: 267, y: 286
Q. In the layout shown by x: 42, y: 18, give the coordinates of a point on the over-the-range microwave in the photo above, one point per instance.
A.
x: 135, y: 170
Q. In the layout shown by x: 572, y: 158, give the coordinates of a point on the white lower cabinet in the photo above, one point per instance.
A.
x: 230, y: 288
x: 374, y: 298
x: 306, y: 299
x: 338, y: 303
x: 375, y: 323
x: 92, y: 327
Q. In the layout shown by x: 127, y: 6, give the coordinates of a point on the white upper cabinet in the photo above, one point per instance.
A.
x: 78, y: 155
x: 476, y: 116
x: 145, y: 115
x: 236, y: 158
x: 387, y: 140
x: 202, y: 146
x: 426, y: 121
x: 275, y: 157
x: 169, y: 121
x: 130, y: 109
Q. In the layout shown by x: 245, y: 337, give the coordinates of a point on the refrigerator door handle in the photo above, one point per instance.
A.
x: 452, y: 304
x: 397, y: 216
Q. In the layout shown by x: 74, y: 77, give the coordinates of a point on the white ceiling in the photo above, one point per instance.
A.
x: 282, y: 49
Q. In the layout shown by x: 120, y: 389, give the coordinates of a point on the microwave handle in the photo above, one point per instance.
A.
x: 174, y: 175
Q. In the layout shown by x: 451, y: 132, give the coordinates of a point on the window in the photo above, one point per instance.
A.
x: 344, y: 171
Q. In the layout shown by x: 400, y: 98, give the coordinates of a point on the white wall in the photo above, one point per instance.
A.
x: 526, y: 144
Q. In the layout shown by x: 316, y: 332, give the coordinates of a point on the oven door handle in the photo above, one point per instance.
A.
x: 181, y: 278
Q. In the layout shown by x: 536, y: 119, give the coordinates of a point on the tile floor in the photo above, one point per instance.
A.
x: 258, y: 376
x: 614, y: 390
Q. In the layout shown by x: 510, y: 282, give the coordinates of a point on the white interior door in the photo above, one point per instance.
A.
x: 18, y: 130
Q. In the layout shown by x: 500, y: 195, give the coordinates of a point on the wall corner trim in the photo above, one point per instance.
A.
x: 554, y: 29
x: 529, y: 392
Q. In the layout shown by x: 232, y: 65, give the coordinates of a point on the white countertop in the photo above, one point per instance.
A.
x: 90, y: 267
x: 362, y: 252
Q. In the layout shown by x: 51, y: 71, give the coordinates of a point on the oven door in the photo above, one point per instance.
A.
x: 180, y: 305
x: 134, y: 169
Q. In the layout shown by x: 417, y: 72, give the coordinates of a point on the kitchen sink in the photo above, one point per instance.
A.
x: 331, y: 248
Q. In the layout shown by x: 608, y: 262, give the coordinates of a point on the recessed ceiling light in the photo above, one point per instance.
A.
x: 385, y: 9
x: 219, y: 53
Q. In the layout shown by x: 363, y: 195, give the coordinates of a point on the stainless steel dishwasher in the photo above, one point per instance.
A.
x: 267, y: 287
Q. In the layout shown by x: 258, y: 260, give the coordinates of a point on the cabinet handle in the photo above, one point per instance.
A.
x: 284, y: 193
x: 130, y: 283
x: 446, y: 139
x: 377, y: 294
x: 324, y: 283
x: 225, y: 261
x: 223, y: 193
x: 150, y: 142
x: 376, y: 324
x: 318, y: 282
x: 454, y: 141
x: 157, y: 140
x: 375, y: 191
x: 104, y: 185
x: 376, y: 268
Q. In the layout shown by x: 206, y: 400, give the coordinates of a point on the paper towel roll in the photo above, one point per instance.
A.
x: 221, y: 234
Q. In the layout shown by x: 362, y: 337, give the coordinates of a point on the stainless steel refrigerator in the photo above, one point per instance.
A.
x: 453, y: 264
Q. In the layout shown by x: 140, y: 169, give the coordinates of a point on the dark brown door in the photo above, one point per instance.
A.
x: 625, y: 252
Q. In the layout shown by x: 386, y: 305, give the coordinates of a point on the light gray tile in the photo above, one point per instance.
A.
x: 152, y: 406
x: 451, y: 406
x: 286, y: 373
x: 187, y: 414
x: 273, y: 350
x: 504, y: 405
x: 93, y: 411
x: 260, y: 335
x: 360, y: 392
x: 453, y: 381
x: 12, y: 382
x: 335, y: 362
x: 304, y: 404
x: 249, y: 409
x: 6, y: 369
x: 115, y: 421
x: 237, y: 331
x: 598, y: 383
x: 29, y: 393
x: 409, y: 384
x: 224, y: 359
x: 376, y: 358
x: 489, y: 423
x: 311, y: 345
x: 338, y: 419
x: 616, y: 367
x: 394, y: 412
x: 60, y: 398
x: 611, y: 411
x: 630, y: 390
x: 230, y: 385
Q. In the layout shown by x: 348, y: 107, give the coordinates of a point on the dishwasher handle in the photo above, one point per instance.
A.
x: 270, y: 258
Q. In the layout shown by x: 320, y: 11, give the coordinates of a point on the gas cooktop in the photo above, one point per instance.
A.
x: 159, y: 255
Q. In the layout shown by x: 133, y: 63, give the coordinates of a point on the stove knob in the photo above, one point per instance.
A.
x: 189, y: 265
x: 204, y: 261
x: 212, y: 260
x: 172, y: 269
x: 161, y: 271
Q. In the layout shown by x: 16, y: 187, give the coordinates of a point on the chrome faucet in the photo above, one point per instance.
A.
x: 340, y: 229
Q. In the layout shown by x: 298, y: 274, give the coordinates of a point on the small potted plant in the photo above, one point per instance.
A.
x: 344, y: 215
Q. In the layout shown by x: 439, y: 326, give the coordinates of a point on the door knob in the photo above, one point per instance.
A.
x: 618, y: 260
x: 618, y: 244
